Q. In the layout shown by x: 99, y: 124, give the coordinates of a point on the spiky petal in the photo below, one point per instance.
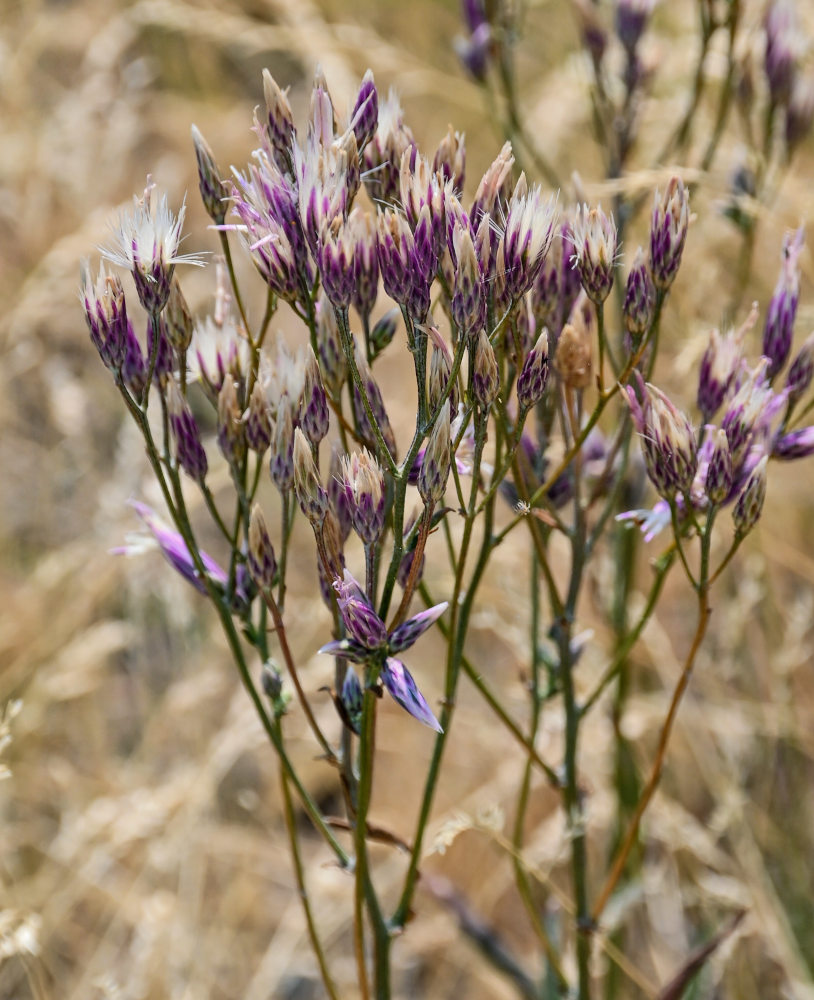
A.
x: 408, y: 632
x: 403, y: 689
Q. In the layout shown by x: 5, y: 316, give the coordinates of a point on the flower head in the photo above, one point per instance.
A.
x: 147, y: 242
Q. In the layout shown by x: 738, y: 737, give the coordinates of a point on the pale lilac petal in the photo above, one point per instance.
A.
x: 398, y: 681
x: 346, y: 649
x: 175, y: 550
x: 406, y: 634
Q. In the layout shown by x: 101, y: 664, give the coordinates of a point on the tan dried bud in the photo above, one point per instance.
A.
x: 231, y: 437
x: 573, y: 357
x: 177, y: 318
x: 312, y: 498
x: 261, y: 559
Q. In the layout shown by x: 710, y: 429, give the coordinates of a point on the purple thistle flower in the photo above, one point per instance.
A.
x: 403, y: 689
x: 668, y: 232
x: 531, y: 381
x: 750, y: 410
x: 365, y: 115
x: 106, y: 315
x: 595, y: 242
x: 396, y: 249
x: 364, y: 491
x: 795, y: 444
x: 335, y: 252
x: 175, y: 551
x: 668, y: 439
x: 147, y: 242
x: 361, y: 622
x: 527, y: 237
x: 779, y: 329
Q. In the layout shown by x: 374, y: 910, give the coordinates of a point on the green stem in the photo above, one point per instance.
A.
x: 299, y: 874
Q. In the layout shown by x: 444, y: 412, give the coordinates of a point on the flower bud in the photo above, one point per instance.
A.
x: 312, y: 498
x: 719, y: 471
x: 335, y: 262
x: 260, y: 557
x: 801, y: 371
x: 209, y: 179
x: 189, y: 451
x: 365, y: 115
x: 631, y: 19
x: 749, y: 408
x: 531, y: 381
x: 396, y: 250
x: 595, y: 244
x: 314, y: 415
x: 573, y: 356
x: 749, y: 504
x: 281, y: 464
x: 106, y: 314
x: 338, y: 497
x: 382, y: 155
x: 351, y: 700
x: 485, y: 377
x: 258, y: 421
x: 365, y: 264
x: 668, y: 232
x: 384, y: 330
x: 450, y: 159
x: 231, y: 438
x: 494, y: 187
x: 440, y: 371
x: 279, y: 121
x: 177, y: 319
x: 432, y: 479
x: 640, y: 299
x: 364, y: 489
x: 779, y: 329
x: 329, y: 345
x: 468, y: 293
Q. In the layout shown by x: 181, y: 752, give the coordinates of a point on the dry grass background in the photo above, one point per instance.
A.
x: 142, y: 852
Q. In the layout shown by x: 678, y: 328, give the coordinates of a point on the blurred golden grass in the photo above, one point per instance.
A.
x: 143, y: 851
